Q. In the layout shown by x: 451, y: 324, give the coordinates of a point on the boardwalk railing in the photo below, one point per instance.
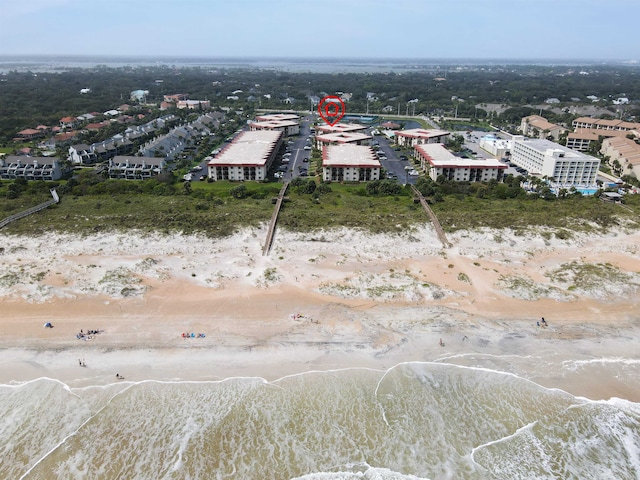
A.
x: 29, y: 211
x: 432, y: 216
x: 274, y: 219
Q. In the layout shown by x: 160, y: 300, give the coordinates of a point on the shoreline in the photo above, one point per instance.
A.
x: 366, y: 301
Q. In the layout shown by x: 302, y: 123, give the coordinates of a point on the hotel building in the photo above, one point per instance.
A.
x: 567, y: 167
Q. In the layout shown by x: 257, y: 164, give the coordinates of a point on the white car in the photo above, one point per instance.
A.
x: 307, y: 147
x: 413, y: 173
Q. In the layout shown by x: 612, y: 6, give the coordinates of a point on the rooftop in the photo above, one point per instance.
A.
x: 438, y: 156
x: 421, y: 133
x: 349, y: 156
x: 248, y: 148
x: 341, y: 127
x: 277, y: 116
x: 551, y: 148
x: 270, y: 124
x: 338, y: 137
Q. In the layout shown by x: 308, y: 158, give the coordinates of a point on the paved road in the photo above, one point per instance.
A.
x: 393, y: 164
x: 298, y: 153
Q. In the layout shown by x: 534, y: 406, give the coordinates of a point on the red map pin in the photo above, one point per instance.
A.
x: 331, y: 109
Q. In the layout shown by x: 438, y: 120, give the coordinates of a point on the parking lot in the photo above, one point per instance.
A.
x: 472, y: 145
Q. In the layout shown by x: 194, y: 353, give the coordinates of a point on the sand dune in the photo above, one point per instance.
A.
x: 319, y: 300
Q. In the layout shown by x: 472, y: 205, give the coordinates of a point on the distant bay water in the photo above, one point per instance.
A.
x: 49, y: 63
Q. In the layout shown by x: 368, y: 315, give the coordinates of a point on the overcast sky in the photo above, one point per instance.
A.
x: 476, y: 29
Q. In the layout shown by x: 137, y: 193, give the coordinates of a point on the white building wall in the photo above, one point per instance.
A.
x: 566, y: 167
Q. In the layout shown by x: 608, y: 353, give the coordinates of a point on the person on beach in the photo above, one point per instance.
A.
x: 441, y: 343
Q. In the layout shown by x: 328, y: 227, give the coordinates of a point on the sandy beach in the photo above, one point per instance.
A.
x: 322, y: 301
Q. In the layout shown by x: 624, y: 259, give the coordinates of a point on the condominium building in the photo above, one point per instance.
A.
x: 248, y: 157
x: 341, y: 128
x: 437, y: 160
x: 625, y: 151
x: 30, y: 168
x: 135, y: 168
x: 581, y: 138
x: 342, y: 138
x: 539, y: 127
x: 355, y: 163
x: 565, y: 166
x: 417, y: 136
x: 288, y: 127
x: 602, y: 124
x: 278, y: 116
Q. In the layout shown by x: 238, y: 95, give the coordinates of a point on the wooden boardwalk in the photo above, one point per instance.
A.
x: 29, y: 211
x: 274, y: 219
x: 434, y: 219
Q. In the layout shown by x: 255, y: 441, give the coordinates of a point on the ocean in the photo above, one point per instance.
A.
x: 451, y: 419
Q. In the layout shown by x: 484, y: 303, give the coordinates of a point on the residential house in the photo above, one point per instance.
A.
x: 29, y: 134
x: 69, y: 122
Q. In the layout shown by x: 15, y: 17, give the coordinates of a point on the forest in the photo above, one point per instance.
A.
x: 30, y: 99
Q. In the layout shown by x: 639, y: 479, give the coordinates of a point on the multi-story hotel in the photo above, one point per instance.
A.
x: 567, y: 167
x: 437, y: 160
x: 248, y: 157
x: 351, y: 163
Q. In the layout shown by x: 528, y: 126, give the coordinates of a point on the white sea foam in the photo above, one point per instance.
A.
x: 416, y: 420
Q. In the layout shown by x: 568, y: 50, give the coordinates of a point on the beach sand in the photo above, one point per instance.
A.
x: 320, y: 301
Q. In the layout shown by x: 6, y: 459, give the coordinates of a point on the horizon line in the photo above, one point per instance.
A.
x: 31, y: 56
